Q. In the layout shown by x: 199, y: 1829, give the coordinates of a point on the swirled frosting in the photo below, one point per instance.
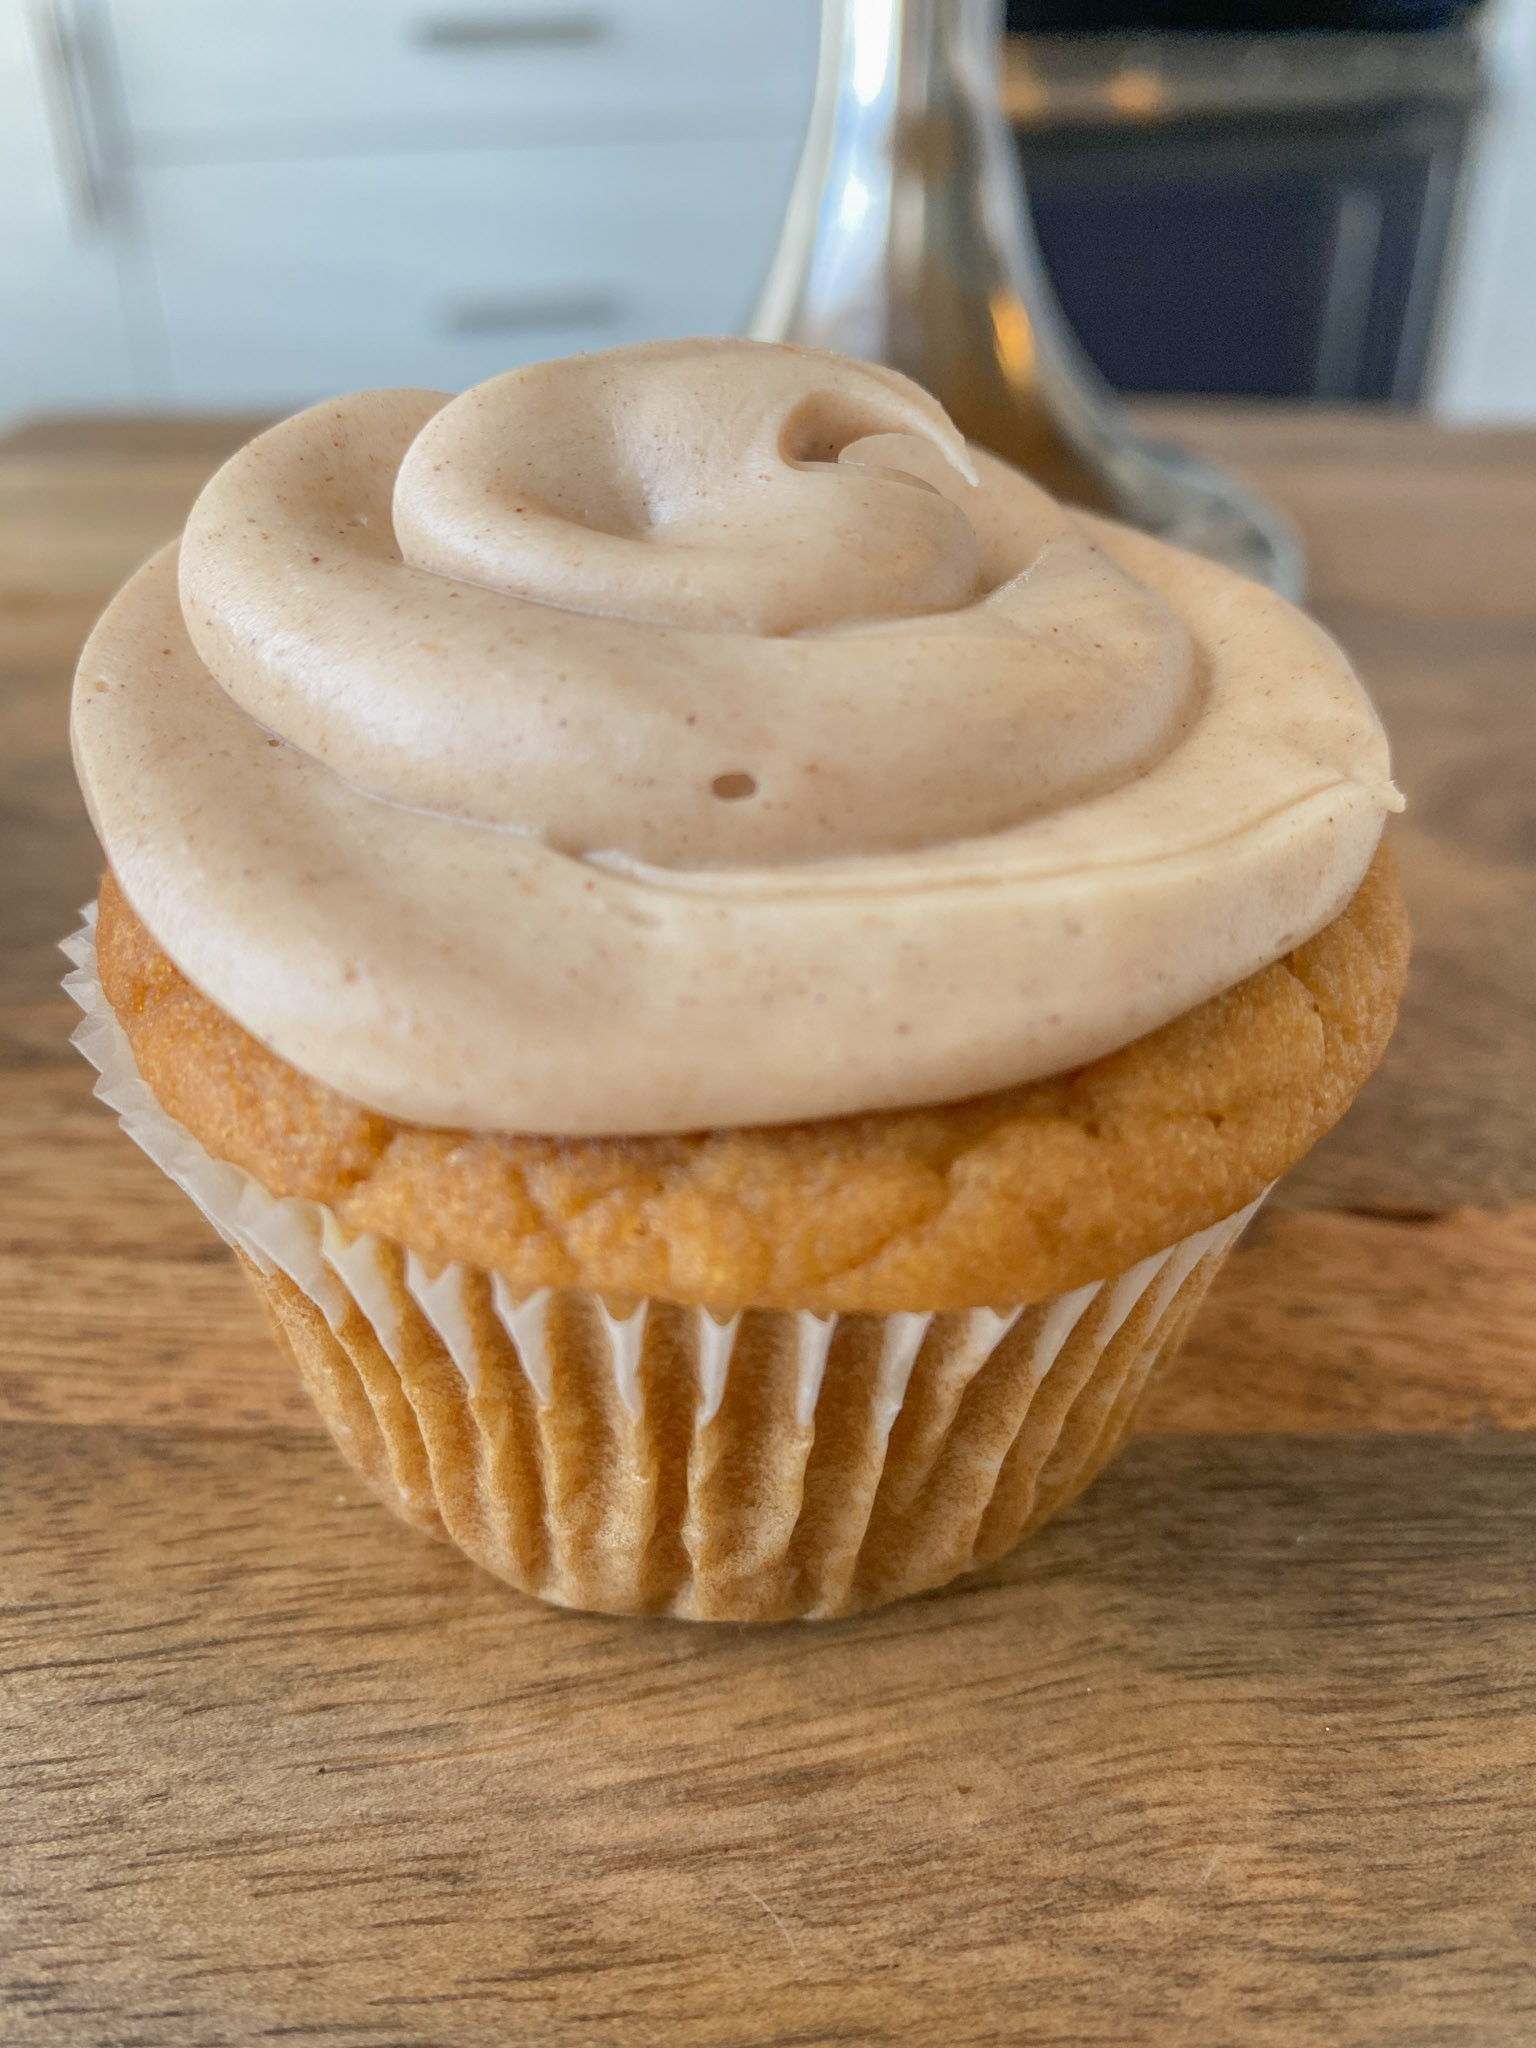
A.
x: 700, y: 734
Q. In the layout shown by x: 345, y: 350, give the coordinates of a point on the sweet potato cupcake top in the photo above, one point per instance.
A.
x: 702, y: 735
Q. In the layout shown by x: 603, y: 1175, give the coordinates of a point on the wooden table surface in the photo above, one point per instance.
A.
x: 1238, y: 1752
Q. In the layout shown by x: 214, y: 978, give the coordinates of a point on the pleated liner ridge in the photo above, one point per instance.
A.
x: 665, y: 1459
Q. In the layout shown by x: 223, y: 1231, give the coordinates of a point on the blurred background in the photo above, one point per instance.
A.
x: 208, y: 206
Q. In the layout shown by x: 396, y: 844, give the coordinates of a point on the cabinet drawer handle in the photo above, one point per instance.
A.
x: 509, y: 31
x: 515, y: 315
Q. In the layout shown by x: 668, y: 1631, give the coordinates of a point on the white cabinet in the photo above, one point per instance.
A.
x: 440, y: 270
x: 306, y: 196
x: 212, y: 77
x: 63, y: 329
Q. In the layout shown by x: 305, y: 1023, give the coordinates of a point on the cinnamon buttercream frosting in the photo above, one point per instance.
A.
x: 702, y: 734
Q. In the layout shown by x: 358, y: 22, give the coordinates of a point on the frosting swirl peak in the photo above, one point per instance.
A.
x: 702, y: 733
x: 695, y: 604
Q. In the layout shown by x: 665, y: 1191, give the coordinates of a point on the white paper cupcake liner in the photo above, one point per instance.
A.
x: 663, y: 1459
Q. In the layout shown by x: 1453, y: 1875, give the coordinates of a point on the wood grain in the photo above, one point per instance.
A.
x: 1239, y: 1753
x: 1338, y: 1322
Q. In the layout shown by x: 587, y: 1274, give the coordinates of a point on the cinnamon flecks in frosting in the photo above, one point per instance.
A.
x: 594, y: 600
x: 702, y: 734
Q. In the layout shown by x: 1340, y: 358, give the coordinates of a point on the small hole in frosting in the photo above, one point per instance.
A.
x: 732, y: 788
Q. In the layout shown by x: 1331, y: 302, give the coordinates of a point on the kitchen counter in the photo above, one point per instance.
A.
x: 1238, y: 1752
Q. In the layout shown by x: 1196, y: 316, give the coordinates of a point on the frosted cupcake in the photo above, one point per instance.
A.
x: 730, y: 969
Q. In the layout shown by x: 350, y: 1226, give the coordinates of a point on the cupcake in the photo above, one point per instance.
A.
x: 730, y: 969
